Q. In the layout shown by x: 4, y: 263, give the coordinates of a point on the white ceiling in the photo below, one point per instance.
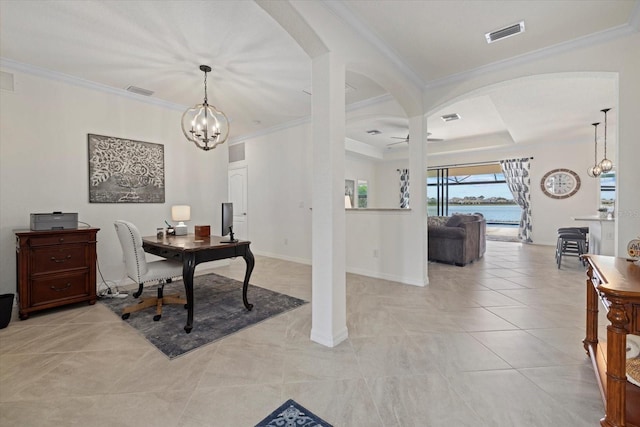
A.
x: 260, y: 72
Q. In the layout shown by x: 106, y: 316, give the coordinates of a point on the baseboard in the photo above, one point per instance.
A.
x: 329, y: 341
x: 283, y: 257
x: 393, y: 278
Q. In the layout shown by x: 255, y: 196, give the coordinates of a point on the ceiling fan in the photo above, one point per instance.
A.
x: 406, y: 139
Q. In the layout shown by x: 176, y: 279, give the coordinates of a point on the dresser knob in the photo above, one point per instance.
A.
x: 54, y: 259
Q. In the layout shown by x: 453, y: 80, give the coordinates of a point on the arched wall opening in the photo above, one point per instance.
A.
x: 546, y: 116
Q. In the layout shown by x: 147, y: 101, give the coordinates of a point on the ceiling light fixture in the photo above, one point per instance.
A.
x: 204, y: 124
x: 605, y: 164
x: 595, y: 171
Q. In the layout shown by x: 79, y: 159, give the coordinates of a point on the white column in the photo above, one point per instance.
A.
x: 328, y: 302
x: 416, y: 260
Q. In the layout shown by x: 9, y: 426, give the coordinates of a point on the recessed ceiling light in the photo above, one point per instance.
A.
x: 374, y: 132
x: 505, y: 32
x: 450, y: 117
x: 140, y: 91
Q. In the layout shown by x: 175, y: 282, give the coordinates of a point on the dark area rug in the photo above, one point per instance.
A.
x: 218, y: 312
x: 292, y: 414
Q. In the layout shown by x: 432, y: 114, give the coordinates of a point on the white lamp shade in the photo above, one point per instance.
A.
x: 347, y: 202
x: 181, y: 213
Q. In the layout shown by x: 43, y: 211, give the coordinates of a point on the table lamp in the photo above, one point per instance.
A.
x: 181, y: 213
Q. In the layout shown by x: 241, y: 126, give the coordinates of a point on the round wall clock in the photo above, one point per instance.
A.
x: 560, y: 183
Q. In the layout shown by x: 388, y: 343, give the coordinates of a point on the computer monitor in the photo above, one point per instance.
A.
x: 227, y: 222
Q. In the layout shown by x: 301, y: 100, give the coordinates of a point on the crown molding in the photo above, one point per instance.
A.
x: 589, y: 40
x: 272, y: 129
x: 76, y: 81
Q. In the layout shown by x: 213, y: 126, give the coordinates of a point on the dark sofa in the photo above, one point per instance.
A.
x: 458, y: 239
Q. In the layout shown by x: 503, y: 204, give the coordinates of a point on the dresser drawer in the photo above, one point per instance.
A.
x: 50, y: 289
x: 51, y: 259
x: 59, y: 239
x: 634, y: 328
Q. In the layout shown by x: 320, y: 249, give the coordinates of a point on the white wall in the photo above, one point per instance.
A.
x: 388, y: 179
x: 383, y: 178
x: 44, y: 164
x: 279, y: 193
x: 358, y: 168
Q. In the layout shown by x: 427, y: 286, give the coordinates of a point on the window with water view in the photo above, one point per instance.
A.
x: 471, y: 189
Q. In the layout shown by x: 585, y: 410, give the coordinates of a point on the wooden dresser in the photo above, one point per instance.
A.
x: 55, y: 268
x: 615, y: 282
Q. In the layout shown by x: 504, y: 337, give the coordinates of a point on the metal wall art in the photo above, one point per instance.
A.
x: 125, y: 171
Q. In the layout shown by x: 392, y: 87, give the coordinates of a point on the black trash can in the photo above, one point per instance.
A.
x: 6, y: 306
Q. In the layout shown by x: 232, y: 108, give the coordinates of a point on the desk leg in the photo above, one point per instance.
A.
x: 250, y: 260
x: 188, y: 269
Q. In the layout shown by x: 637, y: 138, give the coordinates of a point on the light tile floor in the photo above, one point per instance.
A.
x: 495, y: 343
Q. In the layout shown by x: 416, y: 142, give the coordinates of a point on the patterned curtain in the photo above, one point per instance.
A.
x: 516, y: 173
x: 404, y: 188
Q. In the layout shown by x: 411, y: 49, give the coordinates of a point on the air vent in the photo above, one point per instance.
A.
x: 236, y: 152
x: 6, y: 81
x: 374, y: 132
x: 140, y: 91
x: 503, y: 33
x: 450, y: 117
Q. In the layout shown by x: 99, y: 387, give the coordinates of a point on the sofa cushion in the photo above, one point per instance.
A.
x: 437, y: 220
x: 455, y: 221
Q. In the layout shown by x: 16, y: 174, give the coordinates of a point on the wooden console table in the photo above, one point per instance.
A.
x: 616, y: 283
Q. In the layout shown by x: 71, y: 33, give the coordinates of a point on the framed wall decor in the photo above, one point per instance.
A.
x: 125, y: 171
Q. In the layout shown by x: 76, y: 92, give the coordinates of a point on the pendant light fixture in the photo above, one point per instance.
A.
x: 605, y: 164
x: 595, y: 171
x: 204, y: 124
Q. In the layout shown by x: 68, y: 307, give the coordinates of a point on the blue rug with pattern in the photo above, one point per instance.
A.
x: 292, y: 414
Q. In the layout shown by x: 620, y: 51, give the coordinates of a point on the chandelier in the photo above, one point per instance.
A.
x: 605, y: 164
x: 204, y: 124
x: 595, y: 170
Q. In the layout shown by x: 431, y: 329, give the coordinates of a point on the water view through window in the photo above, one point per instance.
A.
x: 486, y: 193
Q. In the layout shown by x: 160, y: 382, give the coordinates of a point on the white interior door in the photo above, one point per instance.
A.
x: 238, y: 196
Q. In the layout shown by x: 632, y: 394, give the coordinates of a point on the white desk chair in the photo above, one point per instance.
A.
x: 141, y: 271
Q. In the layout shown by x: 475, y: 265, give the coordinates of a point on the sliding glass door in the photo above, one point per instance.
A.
x: 474, y: 188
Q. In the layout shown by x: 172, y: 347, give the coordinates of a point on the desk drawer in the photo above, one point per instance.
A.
x: 49, y: 289
x: 58, y: 258
x: 174, y: 254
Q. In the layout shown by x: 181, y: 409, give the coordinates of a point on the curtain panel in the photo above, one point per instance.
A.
x: 404, y: 188
x: 516, y: 173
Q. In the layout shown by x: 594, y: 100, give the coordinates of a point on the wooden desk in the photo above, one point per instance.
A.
x: 616, y: 282
x: 191, y: 251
